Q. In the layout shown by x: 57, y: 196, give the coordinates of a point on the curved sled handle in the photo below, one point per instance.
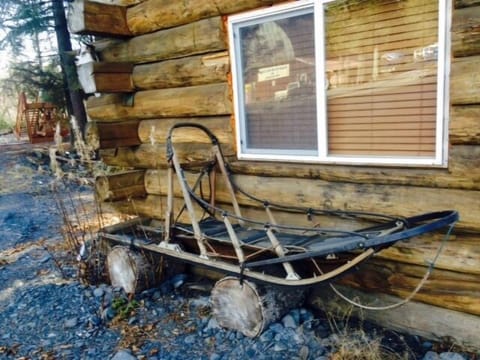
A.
x: 212, y: 137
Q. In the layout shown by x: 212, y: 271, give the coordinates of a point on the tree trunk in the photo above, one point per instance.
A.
x: 129, y: 270
x: 250, y: 308
x: 73, y: 95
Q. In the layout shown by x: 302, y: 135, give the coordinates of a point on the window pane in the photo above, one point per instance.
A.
x: 381, y: 66
x: 278, y: 72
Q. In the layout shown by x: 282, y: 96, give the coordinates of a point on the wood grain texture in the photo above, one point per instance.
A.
x: 428, y: 321
x: 120, y: 186
x: 203, y: 36
x: 201, y: 100
x: 466, y: 31
x: 465, y: 81
x: 250, y: 308
x: 389, y: 199
x: 465, y: 125
x: 156, y: 130
x: 153, y: 15
x: 87, y: 17
x: 188, y: 71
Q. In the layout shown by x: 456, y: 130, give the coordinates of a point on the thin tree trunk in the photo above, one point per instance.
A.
x: 74, y: 96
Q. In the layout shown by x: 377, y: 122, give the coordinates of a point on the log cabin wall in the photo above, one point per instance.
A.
x: 181, y: 73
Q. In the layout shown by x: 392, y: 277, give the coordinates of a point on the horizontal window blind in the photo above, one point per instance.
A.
x: 381, y: 67
x: 278, y: 72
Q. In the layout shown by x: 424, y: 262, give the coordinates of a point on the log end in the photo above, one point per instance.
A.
x: 128, y: 270
x: 238, y: 306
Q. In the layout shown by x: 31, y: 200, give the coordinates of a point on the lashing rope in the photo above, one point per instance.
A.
x: 413, y: 293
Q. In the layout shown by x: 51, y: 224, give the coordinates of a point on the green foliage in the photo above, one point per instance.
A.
x: 4, y: 124
x: 27, y: 31
x: 124, y: 308
x: 35, y: 33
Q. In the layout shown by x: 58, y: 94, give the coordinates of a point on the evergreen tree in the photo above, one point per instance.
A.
x: 40, y: 25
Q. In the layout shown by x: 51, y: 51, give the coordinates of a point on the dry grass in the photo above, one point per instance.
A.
x: 357, y: 345
x: 351, y: 341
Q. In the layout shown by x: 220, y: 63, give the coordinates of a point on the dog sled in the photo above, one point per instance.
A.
x: 269, y: 251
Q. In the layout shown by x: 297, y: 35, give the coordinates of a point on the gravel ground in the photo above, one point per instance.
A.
x: 47, y: 313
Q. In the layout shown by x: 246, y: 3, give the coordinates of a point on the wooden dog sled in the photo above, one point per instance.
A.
x: 264, y: 251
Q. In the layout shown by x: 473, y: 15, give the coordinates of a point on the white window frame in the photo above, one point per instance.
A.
x: 321, y: 155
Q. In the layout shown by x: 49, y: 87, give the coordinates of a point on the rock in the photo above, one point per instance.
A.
x: 451, y: 356
x: 280, y: 346
x: 303, y: 353
x: 190, y: 339
x: 123, y: 355
x: 267, y: 336
x: 70, y: 323
x: 212, y: 325
x: 288, y: 321
x: 108, y: 313
x: 44, y: 258
x: 431, y: 355
x: 98, y: 292
x: 178, y: 280
x: 276, y: 327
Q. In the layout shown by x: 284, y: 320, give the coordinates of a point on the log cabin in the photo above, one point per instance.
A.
x: 372, y: 105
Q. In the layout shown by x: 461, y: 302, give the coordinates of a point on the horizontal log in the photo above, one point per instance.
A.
x: 466, y: 31
x: 148, y: 156
x: 447, y: 289
x: 202, y: 100
x: 156, y: 130
x: 460, y: 253
x: 203, y: 36
x: 154, y: 206
x: 93, y: 18
x: 143, y: 207
x: 112, y: 135
x: 189, y: 71
x: 458, y: 4
x: 463, y: 171
x: 120, y: 186
x: 105, y: 77
x: 465, y: 125
x: 465, y: 81
x: 431, y: 322
x: 388, y: 199
x: 154, y: 15
x: 120, y: 2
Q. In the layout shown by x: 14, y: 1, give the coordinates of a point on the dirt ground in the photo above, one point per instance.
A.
x: 38, y: 208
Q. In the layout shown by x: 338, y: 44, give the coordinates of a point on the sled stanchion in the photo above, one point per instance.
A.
x: 277, y: 247
x: 188, y: 203
x: 223, y: 169
x: 169, y: 212
x: 235, y: 241
x: 269, y: 213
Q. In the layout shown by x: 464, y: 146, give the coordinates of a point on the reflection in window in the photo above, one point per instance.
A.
x: 361, y: 81
x: 381, y: 68
x: 278, y: 65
